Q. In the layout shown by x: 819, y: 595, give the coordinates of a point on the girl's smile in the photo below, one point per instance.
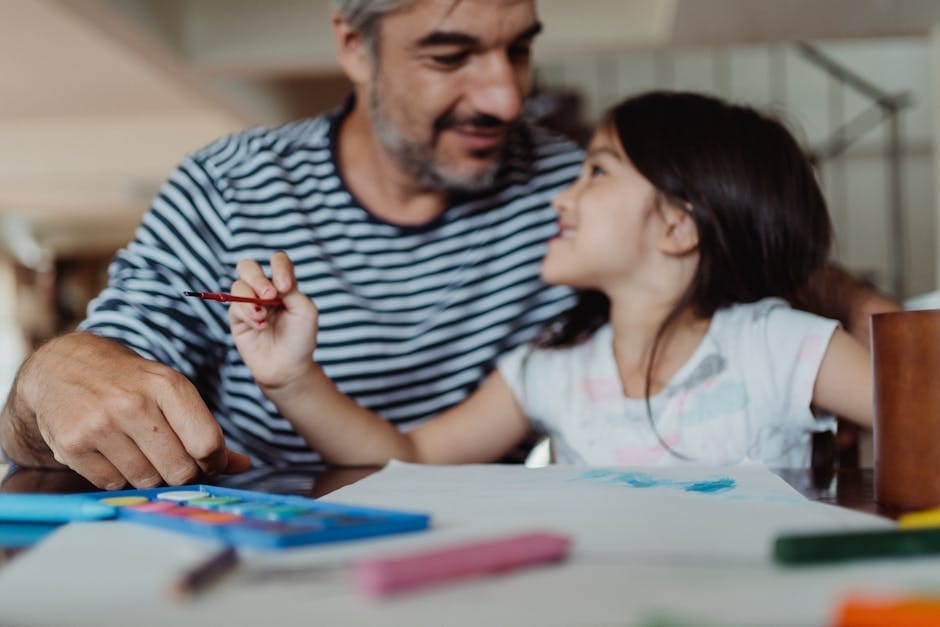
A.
x: 605, y: 220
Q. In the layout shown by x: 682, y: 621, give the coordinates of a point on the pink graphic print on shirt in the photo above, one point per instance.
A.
x: 808, y: 359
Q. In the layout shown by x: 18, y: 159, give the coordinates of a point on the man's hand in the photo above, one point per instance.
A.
x: 97, y: 407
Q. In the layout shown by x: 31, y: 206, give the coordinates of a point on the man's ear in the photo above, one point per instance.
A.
x: 679, y: 234
x: 351, y: 51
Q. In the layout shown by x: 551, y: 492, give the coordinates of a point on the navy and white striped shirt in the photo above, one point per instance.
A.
x: 411, y: 318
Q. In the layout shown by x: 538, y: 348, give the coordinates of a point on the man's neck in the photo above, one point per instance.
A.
x: 383, y: 188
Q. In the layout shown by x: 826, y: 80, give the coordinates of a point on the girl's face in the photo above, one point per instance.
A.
x: 608, y: 221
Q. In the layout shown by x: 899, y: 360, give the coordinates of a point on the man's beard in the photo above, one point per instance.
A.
x: 418, y: 159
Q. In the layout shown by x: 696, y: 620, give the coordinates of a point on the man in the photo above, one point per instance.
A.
x: 416, y: 217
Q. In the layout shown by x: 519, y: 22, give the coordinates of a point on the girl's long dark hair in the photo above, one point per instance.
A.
x: 762, y: 222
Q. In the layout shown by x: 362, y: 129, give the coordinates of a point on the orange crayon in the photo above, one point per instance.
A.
x: 855, y: 611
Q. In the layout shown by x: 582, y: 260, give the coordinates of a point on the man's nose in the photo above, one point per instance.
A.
x: 498, y: 87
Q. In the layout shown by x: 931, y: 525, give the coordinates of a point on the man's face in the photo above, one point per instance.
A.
x: 448, y: 84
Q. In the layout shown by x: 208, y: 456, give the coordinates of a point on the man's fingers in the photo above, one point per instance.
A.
x: 100, y: 451
x: 97, y: 469
x: 191, y: 421
x: 236, y: 462
x: 130, y: 461
x: 160, y: 444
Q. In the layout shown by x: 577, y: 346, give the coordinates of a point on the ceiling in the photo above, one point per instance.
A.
x: 100, y: 98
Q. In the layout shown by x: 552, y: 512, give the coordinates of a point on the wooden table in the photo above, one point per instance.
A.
x: 852, y: 488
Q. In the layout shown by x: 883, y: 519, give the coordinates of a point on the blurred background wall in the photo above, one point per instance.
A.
x: 99, y: 99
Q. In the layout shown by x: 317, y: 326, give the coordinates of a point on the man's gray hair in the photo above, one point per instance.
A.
x: 366, y: 15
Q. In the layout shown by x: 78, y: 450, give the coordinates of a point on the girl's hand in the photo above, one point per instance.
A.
x: 276, y: 343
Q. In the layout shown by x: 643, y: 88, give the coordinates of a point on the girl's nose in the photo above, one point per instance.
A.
x: 561, y: 203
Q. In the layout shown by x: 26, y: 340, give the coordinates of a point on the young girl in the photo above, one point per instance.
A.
x: 690, y: 223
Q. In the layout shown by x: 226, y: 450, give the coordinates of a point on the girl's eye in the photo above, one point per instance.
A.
x: 595, y: 170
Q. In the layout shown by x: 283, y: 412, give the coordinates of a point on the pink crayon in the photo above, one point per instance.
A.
x: 381, y: 577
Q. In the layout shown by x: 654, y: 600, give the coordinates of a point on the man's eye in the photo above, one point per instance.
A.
x: 520, y: 53
x: 449, y: 59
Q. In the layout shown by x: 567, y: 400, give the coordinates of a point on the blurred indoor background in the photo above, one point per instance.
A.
x: 100, y: 98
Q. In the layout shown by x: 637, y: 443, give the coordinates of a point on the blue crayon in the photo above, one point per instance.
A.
x: 52, y: 508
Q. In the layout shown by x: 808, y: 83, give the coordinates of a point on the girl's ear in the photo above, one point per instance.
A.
x: 351, y: 51
x: 679, y: 235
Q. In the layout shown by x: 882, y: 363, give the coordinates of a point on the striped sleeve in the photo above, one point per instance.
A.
x: 179, y: 245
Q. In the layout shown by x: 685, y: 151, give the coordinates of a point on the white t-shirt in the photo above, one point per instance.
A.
x: 744, y: 395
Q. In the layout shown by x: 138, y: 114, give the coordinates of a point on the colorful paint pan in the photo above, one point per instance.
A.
x: 257, y: 519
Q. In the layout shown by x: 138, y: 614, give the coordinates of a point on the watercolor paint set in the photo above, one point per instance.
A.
x: 255, y: 519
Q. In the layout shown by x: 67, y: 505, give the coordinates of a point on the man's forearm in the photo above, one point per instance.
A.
x: 19, y: 434
x: 834, y: 293
x: 865, y: 305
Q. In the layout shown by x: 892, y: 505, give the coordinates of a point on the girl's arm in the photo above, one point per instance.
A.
x: 483, y: 428
x: 844, y: 383
x: 276, y: 345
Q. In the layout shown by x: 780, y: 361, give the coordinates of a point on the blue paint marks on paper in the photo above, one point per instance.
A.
x: 709, y: 487
x: 646, y: 480
x: 594, y: 474
x: 634, y: 479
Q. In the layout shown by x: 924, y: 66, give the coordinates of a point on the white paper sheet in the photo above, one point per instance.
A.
x: 670, y: 513
x: 638, y: 552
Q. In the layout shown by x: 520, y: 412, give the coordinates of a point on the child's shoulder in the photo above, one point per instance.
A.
x: 760, y: 310
x: 587, y: 351
x: 769, y: 316
x: 749, y: 313
x: 541, y: 372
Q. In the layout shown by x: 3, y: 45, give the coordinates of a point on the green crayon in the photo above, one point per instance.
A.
x: 855, y: 545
